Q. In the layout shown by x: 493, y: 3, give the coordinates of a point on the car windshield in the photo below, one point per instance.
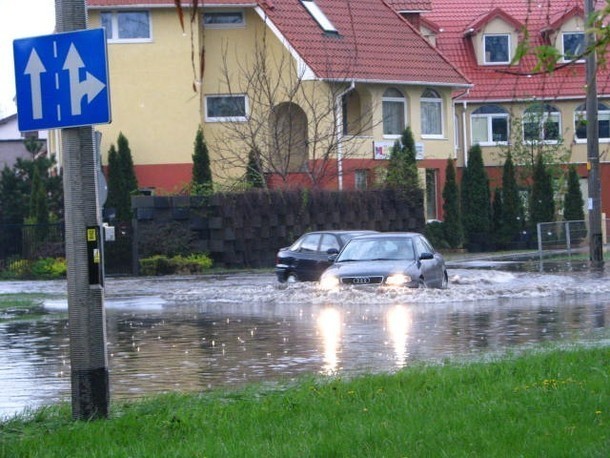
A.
x: 378, y: 249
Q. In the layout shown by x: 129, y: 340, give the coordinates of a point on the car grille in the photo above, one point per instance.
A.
x: 362, y: 280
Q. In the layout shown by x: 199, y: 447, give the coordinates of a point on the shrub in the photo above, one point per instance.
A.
x: 44, y: 268
x: 163, y: 265
x: 49, y: 268
x: 435, y: 233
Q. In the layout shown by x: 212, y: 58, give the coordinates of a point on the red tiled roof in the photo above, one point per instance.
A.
x: 374, y: 43
x: 385, y: 49
x: 97, y: 4
x: 514, y: 82
x: 410, y: 5
x: 563, y: 16
x: 496, y: 13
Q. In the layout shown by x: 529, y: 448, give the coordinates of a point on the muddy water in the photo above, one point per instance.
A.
x: 196, y: 333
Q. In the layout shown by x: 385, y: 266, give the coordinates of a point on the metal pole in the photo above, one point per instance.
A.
x: 596, y: 251
x: 88, y: 359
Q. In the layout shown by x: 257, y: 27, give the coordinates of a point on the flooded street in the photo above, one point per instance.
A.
x: 196, y: 333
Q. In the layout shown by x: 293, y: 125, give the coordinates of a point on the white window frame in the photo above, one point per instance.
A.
x: 228, y: 25
x: 542, y: 120
x: 113, y: 36
x: 495, y: 35
x: 563, y: 50
x: 581, y: 113
x: 489, y: 121
x: 226, y: 118
x: 390, y: 99
x: 361, y: 179
x: 438, y: 100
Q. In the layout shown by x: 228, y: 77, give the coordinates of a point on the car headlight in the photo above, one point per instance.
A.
x: 397, y: 280
x: 329, y: 282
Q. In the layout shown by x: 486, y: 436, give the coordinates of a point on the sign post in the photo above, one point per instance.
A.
x: 62, y: 82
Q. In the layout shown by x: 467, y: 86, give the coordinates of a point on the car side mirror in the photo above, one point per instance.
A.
x: 332, y: 257
x: 426, y: 255
x: 332, y: 251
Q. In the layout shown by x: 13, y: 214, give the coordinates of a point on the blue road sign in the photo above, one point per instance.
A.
x: 62, y: 80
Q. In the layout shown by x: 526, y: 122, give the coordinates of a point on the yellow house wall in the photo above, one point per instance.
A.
x: 232, y: 49
x: 152, y: 100
x: 434, y: 148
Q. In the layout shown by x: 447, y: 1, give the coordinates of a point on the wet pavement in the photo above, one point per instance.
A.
x: 195, y: 333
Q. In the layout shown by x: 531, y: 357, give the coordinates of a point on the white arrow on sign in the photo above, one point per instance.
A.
x: 34, y: 68
x: 90, y: 87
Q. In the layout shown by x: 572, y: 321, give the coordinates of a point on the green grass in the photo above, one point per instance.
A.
x: 20, y: 307
x: 545, y: 404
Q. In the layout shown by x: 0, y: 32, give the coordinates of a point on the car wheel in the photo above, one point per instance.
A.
x: 422, y: 283
x: 445, y: 281
x: 291, y: 278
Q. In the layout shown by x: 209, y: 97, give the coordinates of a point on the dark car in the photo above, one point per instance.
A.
x: 387, y: 259
x: 307, y: 258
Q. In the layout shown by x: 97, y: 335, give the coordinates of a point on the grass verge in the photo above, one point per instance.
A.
x: 20, y: 307
x: 553, y: 403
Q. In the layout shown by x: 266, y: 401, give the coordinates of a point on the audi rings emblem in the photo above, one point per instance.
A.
x: 361, y: 280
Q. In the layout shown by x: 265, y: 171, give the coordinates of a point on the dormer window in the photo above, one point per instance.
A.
x: 497, y: 48
x: 573, y: 45
x: 319, y: 16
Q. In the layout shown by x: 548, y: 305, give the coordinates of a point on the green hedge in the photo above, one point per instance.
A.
x: 164, y: 265
x: 43, y: 268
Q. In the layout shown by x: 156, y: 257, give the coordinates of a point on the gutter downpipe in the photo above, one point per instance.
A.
x: 464, y: 132
x: 339, y: 126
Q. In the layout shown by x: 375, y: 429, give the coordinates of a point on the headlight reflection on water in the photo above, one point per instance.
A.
x: 398, y: 324
x: 329, y: 327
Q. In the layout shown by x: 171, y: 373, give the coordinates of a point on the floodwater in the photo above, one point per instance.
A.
x: 191, y: 334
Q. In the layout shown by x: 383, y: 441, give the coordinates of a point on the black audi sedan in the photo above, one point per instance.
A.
x: 307, y: 258
x: 387, y: 259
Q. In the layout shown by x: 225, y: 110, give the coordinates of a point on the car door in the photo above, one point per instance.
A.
x: 308, y: 257
x: 328, y: 242
x: 429, y: 267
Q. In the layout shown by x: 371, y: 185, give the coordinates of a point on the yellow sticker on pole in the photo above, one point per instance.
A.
x: 91, y: 235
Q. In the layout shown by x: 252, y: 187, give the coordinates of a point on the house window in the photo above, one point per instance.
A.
x: 351, y: 106
x: 431, y: 114
x: 603, y: 122
x: 225, y: 108
x: 489, y: 125
x: 541, y: 122
x: 127, y: 25
x: 361, y: 179
x: 497, y: 49
x: 223, y: 19
x: 319, y: 16
x: 573, y: 45
x: 393, y: 111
